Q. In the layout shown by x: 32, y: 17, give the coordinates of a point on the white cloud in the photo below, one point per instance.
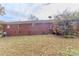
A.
x: 53, y: 9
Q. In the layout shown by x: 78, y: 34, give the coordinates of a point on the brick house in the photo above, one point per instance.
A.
x: 27, y: 27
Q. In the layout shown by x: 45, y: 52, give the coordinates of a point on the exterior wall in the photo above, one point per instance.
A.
x: 11, y: 29
x: 40, y: 28
x: 27, y: 29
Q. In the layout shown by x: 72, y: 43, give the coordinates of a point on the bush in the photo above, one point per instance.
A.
x: 68, y: 30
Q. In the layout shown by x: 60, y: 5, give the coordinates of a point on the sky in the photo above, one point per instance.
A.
x: 22, y: 11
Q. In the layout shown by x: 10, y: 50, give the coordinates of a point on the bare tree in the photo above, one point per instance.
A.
x: 2, y: 10
x: 33, y: 17
x: 64, y: 22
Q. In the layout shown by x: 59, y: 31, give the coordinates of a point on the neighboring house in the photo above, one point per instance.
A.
x: 28, y: 27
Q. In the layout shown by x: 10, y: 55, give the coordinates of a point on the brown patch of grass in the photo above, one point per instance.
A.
x: 39, y: 45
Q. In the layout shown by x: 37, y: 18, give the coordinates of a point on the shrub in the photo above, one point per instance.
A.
x: 68, y: 31
x: 66, y: 28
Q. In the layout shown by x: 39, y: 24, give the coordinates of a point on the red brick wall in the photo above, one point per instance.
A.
x: 27, y: 29
x: 13, y: 30
x: 40, y: 28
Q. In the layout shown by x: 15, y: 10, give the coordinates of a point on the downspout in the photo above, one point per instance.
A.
x: 18, y: 30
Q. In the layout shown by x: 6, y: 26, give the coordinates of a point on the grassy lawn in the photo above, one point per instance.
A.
x: 39, y: 45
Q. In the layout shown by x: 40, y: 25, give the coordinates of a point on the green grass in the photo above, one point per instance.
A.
x: 47, y: 45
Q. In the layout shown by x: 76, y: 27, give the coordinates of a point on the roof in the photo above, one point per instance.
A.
x: 27, y: 22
